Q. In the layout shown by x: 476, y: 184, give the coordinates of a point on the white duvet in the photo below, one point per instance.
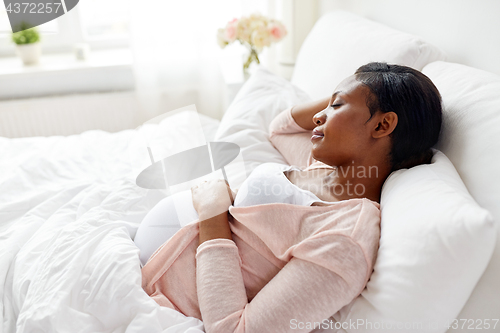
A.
x: 69, y: 209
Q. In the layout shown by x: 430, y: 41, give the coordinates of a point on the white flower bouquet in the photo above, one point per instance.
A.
x: 255, y: 32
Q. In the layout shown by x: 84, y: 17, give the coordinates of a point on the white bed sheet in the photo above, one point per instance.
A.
x: 69, y: 209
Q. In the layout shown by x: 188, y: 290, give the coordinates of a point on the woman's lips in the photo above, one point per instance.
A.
x: 316, y: 135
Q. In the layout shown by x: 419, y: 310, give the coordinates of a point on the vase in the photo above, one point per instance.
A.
x: 253, y: 55
x: 29, y: 53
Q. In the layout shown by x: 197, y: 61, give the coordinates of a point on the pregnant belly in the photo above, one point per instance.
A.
x: 163, y: 221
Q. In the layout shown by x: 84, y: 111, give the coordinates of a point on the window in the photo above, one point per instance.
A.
x: 4, y: 22
x: 103, y: 24
x: 104, y: 19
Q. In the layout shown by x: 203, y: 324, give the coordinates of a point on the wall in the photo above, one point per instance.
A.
x: 69, y: 114
x: 299, y: 17
x: 467, y: 30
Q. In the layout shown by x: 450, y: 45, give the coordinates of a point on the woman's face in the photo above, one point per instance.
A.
x: 343, y: 131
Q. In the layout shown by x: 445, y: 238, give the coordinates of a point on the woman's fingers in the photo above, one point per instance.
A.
x: 214, y: 192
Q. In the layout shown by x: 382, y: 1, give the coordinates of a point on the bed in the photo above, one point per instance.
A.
x: 69, y: 209
x: 70, y: 206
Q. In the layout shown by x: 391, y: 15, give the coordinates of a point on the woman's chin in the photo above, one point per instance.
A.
x: 321, y: 155
x: 316, y: 153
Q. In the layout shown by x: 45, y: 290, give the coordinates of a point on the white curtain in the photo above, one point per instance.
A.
x: 176, y: 56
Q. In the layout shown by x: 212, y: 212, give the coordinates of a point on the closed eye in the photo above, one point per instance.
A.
x: 335, y: 105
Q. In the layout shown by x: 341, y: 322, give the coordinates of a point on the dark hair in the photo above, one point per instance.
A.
x: 416, y: 101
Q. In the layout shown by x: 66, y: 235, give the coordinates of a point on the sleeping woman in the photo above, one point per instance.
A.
x: 295, y: 245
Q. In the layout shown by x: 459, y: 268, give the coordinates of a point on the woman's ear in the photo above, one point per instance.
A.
x: 385, y: 124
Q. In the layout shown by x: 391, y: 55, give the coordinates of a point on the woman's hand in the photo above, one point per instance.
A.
x: 211, y: 198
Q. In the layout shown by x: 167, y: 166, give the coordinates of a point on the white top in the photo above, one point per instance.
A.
x: 268, y: 184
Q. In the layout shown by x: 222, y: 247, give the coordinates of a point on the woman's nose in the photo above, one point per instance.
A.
x: 319, y: 118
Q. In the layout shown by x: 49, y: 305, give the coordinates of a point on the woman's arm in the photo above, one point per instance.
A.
x: 303, y: 113
x: 290, y: 132
x: 301, y: 294
x: 212, y: 199
x: 214, y: 227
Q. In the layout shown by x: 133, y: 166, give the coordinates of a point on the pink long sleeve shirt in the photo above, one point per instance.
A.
x: 286, y: 264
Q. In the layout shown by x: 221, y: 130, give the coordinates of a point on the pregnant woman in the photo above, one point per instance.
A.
x: 296, y: 245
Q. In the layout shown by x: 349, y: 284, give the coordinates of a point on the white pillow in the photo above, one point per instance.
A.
x: 247, y: 120
x: 340, y: 42
x: 471, y: 139
x: 435, y: 243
